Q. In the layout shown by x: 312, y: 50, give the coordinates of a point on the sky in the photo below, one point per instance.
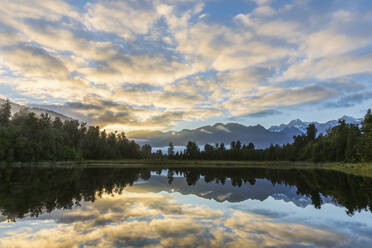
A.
x: 174, y: 64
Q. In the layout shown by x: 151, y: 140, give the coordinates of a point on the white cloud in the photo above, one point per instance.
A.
x: 124, y: 18
x: 329, y: 67
x: 264, y: 11
x: 279, y: 97
x: 328, y: 43
x: 53, y: 10
x: 195, y: 67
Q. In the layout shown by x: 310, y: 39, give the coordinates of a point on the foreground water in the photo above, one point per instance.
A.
x: 184, y: 208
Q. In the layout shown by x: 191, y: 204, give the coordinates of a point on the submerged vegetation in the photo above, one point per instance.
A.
x: 26, y: 137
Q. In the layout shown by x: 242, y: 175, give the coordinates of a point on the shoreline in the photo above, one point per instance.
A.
x: 359, y: 169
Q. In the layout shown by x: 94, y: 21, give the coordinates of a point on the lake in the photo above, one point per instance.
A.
x: 190, y: 207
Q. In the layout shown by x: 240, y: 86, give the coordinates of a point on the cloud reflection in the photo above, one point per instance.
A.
x: 160, y: 220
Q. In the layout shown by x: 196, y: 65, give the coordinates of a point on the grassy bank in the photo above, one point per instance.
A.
x: 362, y: 169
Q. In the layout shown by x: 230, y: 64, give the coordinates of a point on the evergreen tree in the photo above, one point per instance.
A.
x: 171, y: 150
x: 146, y: 151
x: 222, y: 147
x: 5, y: 113
x: 367, y: 137
x: 311, y: 132
x: 192, y: 150
x: 28, y: 137
x: 238, y: 145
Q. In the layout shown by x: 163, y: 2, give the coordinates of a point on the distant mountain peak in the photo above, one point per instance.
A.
x: 321, y: 127
x: 260, y: 126
x: 222, y: 127
x: 295, y: 121
x: 351, y: 120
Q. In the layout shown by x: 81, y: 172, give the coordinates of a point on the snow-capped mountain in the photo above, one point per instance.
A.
x: 219, y: 132
x: 300, y: 126
x: 297, y: 124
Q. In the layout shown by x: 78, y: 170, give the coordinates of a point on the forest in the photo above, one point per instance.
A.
x: 27, y: 137
x: 342, y: 143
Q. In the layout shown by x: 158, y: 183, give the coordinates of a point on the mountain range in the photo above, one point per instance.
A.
x: 219, y: 132
x: 321, y: 127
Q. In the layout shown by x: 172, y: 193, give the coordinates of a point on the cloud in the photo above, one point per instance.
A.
x: 262, y: 2
x: 37, y: 9
x: 32, y: 61
x: 7, y: 38
x: 328, y: 43
x: 39, y: 73
x: 178, y: 100
x: 279, y: 97
x: 114, y: 115
x: 58, y: 37
x: 264, y: 11
x: 350, y: 100
x: 260, y: 114
x: 329, y: 67
x: 193, y: 65
x: 223, y: 48
x: 150, y: 68
x: 123, y: 18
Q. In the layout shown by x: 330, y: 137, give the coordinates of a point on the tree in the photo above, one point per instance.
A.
x: 311, y: 132
x: 222, y: 147
x: 352, y: 152
x: 146, y: 151
x: 367, y: 137
x: 171, y: 150
x: 208, y: 148
x: 159, y: 154
x: 251, y: 146
x: 192, y: 150
x: 238, y: 145
x: 5, y: 112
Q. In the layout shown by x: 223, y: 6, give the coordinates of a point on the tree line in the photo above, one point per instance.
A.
x: 26, y: 137
x: 342, y: 143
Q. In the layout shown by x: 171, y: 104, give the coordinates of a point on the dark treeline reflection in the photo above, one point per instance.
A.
x: 34, y: 190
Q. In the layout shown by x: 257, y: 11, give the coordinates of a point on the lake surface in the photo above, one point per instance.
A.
x: 220, y: 207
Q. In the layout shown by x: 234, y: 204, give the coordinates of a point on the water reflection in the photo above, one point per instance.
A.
x: 33, y: 190
x: 184, y: 207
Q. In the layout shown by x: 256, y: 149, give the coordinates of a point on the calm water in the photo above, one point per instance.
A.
x: 184, y: 208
